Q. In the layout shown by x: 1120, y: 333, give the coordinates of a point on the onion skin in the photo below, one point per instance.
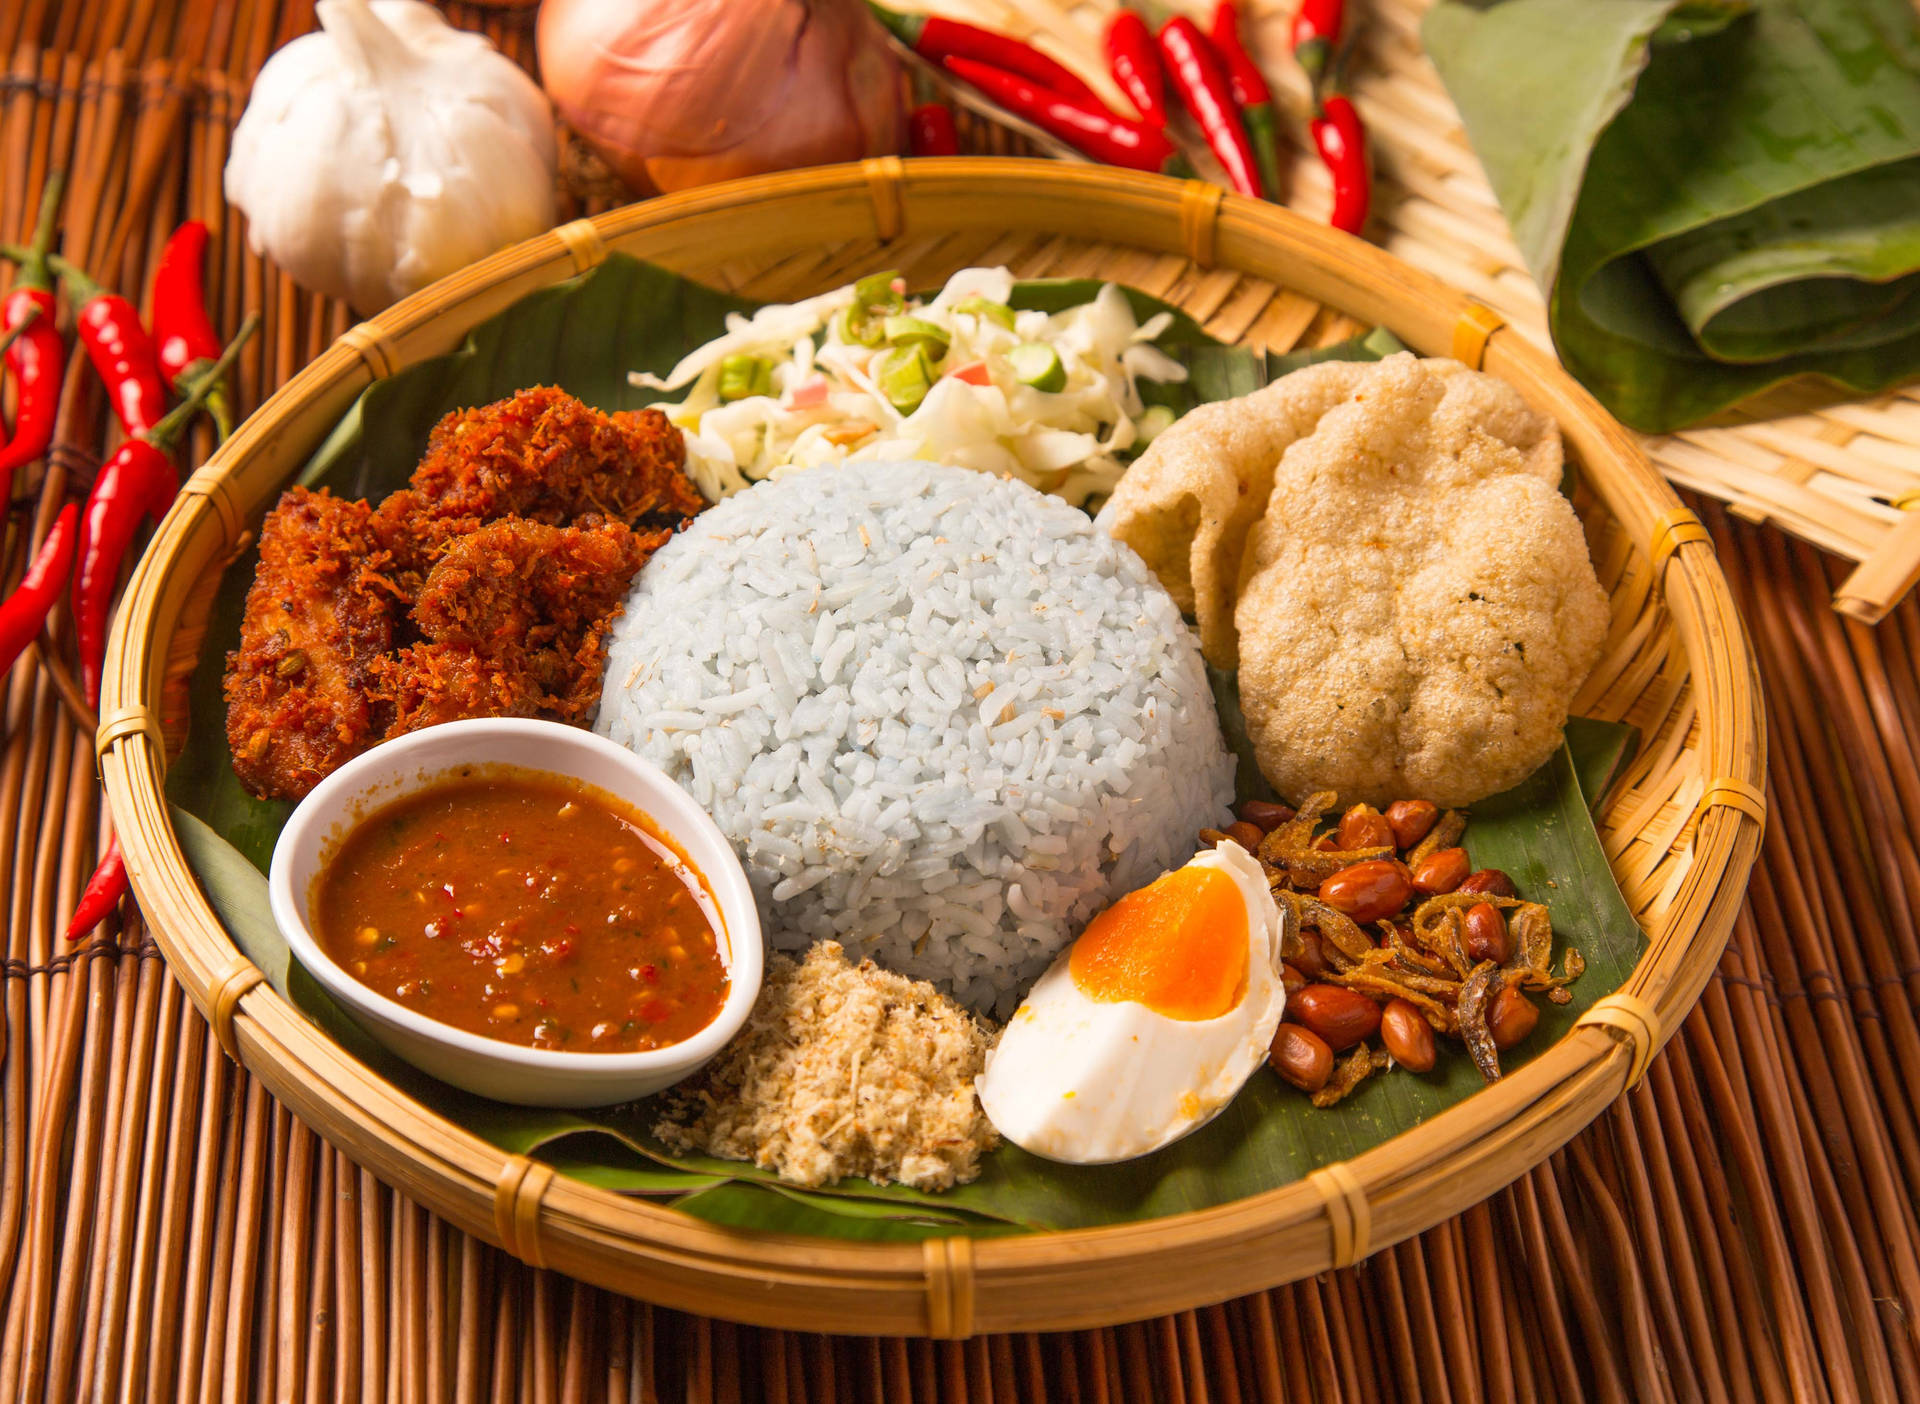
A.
x: 677, y: 93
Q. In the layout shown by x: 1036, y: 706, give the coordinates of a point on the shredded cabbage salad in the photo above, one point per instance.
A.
x: 866, y: 372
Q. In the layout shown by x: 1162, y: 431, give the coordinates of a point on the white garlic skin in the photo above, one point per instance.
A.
x: 389, y: 149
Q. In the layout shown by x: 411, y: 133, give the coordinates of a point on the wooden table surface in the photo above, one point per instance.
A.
x: 1741, y: 1227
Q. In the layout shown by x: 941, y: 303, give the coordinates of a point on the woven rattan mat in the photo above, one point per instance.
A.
x: 1740, y: 1227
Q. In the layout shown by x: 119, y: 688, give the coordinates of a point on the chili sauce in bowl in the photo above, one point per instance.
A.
x: 522, y: 909
x: 527, y: 907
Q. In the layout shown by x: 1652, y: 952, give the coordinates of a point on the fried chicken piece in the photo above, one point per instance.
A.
x: 525, y: 583
x: 515, y: 615
x: 543, y: 454
x: 430, y: 683
x: 412, y: 537
x: 300, y: 697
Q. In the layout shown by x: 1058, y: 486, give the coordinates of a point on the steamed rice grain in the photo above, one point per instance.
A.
x: 943, y: 719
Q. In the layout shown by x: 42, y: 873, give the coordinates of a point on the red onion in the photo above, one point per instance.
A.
x: 673, y: 93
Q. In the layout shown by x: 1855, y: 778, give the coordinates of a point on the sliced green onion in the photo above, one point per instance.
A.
x: 996, y: 312
x: 876, y: 291
x: 856, y: 327
x: 917, y: 331
x: 1037, y: 364
x: 904, y: 375
x: 874, y: 299
x: 743, y: 376
x: 1155, y: 422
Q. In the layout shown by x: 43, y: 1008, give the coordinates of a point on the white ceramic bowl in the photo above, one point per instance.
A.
x: 505, y: 1071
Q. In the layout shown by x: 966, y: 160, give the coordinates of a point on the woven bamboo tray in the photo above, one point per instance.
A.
x: 1676, y: 665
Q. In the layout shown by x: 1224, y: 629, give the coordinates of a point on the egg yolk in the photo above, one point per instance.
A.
x: 1178, y: 946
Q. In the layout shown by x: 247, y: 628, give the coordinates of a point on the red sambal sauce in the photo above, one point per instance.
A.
x: 526, y: 907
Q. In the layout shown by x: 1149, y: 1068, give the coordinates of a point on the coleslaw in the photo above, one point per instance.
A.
x: 865, y: 372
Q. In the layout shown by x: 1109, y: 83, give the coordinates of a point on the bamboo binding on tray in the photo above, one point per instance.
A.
x: 1748, y: 799
x: 1349, y: 1216
x: 1199, y: 218
x: 210, y: 485
x: 125, y: 721
x: 375, y: 346
x: 224, y: 993
x: 883, y: 190
x: 584, y: 243
x: 949, y: 1266
x: 1672, y: 529
x: 1676, y: 661
x: 1633, y: 1017
x: 516, y: 1207
x: 1472, y: 333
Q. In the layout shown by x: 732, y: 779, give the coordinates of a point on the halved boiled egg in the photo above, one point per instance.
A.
x: 1150, y: 1022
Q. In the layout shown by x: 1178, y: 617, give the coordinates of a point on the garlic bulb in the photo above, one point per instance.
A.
x: 389, y: 149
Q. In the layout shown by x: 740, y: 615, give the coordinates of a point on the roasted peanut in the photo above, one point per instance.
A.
x: 1301, y: 1057
x: 1265, y: 815
x: 1312, y: 960
x: 1247, y: 835
x: 1487, y: 935
x: 1408, y: 1036
x: 1511, y: 1018
x: 1292, y: 979
x: 1327, y: 843
x: 1341, y: 1016
x: 1411, y: 819
x: 1441, y: 872
x: 1363, y: 826
x: 1490, y: 881
x: 1368, y: 891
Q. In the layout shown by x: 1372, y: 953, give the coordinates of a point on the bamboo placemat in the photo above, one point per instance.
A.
x: 1740, y: 1227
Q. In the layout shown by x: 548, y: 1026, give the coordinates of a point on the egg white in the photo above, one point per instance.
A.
x: 1089, y: 1082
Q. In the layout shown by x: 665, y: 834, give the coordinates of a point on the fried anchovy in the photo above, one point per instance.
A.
x: 1444, y: 834
x: 1385, y: 981
x: 1292, y: 945
x: 1532, y: 938
x: 1349, y: 1073
x: 1336, y: 928
x: 1476, y: 998
x: 1407, y: 955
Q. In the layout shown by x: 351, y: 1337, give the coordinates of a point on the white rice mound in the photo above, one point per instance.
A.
x: 942, y: 718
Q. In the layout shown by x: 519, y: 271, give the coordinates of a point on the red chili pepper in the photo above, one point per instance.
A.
x: 136, y: 482
x: 1134, y: 61
x: 1091, y: 129
x: 26, y: 609
x: 120, y: 349
x: 1200, y: 79
x: 937, y: 39
x: 1316, y: 34
x: 37, y: 355
x: 185, y: 342
x: 103, y: 892
x: 1342, y: 142
x: 930, y: 131
x: 1250, y: 90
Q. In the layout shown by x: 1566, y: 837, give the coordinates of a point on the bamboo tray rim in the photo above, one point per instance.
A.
x: 956, y: 1286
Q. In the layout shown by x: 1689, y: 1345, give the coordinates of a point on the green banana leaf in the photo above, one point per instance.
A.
x: 1716, y: 197
x: 585, y: 335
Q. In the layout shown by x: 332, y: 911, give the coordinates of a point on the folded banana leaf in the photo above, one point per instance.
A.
x: 585, y: 336
x: 1715, y: 195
